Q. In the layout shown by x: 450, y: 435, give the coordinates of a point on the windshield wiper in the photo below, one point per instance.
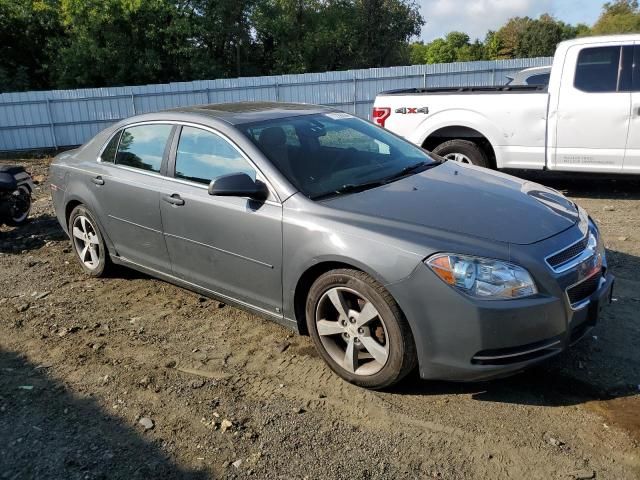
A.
x: 360, y: 187
x: 350, y: 188
x: 410, y: 169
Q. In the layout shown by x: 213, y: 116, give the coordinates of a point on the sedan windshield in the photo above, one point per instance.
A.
x: 335, y: 153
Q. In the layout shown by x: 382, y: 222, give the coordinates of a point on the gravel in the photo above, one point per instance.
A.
x: 218, y: 386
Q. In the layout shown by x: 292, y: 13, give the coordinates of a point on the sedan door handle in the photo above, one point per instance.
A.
x: 98, y: 180
x: 173, y: 199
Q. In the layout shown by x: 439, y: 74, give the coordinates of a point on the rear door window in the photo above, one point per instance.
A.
x: 143, y: 147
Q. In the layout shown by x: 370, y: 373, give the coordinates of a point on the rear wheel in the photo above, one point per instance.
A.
x: 463, y: 151
x: 87, y: 242
x: 359, y: 330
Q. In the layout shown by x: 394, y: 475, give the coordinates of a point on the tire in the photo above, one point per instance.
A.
x: 358, y: 293
x: 463, y: 151
x: 17, y: 219
x: 95, y: 264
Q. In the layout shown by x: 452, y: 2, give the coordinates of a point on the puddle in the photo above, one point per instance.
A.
x: 623, y: 413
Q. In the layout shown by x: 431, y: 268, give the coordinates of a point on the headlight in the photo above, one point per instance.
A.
x: 483, y: 277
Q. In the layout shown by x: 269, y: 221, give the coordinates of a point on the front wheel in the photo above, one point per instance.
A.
x: 359, y: 330
x: 463, y: 151
x: 19, y: 206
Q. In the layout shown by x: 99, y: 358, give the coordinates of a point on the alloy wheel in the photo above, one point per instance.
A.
x: 86, y: 242
x: 352, y: 331
x: 458, y: 157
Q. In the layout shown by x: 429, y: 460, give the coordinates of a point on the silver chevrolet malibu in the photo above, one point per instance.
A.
x: 388, y: 257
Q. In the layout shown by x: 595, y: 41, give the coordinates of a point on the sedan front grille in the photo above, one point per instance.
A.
x: 568, y: 253
x: 584, y: 289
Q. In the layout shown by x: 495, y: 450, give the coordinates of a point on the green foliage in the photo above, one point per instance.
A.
x: 455, y: 47
x: 28, y: 29
x: 540, y: 37
x: 119, y: 42
x: 77, y: 43
x: 525, y: 37
x: 620, y: 16
x: 295, y: 36
x: 94, y: 43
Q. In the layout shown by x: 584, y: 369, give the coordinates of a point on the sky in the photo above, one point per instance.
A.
x: 476, y: 17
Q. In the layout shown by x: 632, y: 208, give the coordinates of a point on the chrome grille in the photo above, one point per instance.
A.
x: 568, y: 253
x: 574, y: 254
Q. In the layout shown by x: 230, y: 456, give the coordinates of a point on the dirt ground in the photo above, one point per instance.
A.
x: 130, y: 377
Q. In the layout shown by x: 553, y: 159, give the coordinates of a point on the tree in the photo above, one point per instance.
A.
x: 505, y: 40
x: 620, y: 16
x: 28, y: 30
x: 220, y: 37
x: 418, y: 53
x: 298, y: 36
x: 120, y: 42
x: 540, y: 37
x: 455, y: 47
x: 382, y: 28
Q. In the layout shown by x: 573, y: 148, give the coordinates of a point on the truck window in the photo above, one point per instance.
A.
x: 597, y: 69
x: 636, y: 69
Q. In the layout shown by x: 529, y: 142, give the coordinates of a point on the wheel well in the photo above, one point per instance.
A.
x: 69, y: 208
x: 460, y: 133
x: 304, y: 285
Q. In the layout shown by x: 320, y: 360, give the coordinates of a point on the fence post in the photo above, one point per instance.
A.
x: 133, y: 102
x: 493, y: 74
x: 424, y: 79
x: 355, y: 92
x: 52, y: 126
x: 277, y: 92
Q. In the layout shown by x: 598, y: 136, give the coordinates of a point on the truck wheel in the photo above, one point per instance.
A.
x: 359, y: 330
x: 462, y: 151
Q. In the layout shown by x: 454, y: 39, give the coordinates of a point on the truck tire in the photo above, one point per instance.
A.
x: 463, y: 151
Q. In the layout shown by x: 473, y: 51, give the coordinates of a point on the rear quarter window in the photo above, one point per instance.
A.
x: 109, y: 152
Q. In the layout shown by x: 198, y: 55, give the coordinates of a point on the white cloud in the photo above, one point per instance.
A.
x: 475, y: 17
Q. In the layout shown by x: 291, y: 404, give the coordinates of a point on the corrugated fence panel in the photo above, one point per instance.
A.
x: 59, y: 118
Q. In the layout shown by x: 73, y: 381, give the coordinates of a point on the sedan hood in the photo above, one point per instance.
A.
x: 468, y: 200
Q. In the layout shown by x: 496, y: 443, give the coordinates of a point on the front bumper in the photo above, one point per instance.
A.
x: 463, y: 339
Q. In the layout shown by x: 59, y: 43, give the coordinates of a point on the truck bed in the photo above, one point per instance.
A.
x: 468, y: 90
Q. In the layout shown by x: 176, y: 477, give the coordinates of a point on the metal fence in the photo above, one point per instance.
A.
x: 59, y: 118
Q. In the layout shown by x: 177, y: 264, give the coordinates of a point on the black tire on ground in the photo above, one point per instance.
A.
x: 23, y: 217
x: 402, y: 357
x: 104, y: 262
x: 468, y: 149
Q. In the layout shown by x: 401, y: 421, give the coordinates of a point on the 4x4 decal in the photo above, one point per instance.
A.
x: 424, y: 110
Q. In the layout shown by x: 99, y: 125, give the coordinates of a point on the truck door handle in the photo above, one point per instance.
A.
x: 173, y: 199
x: 98, y: 180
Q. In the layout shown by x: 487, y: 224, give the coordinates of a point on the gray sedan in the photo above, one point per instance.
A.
x: 387, y: 257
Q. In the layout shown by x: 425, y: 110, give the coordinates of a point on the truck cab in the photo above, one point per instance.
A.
x: 586, y: 119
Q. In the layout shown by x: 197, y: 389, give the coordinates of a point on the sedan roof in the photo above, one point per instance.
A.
x: 248, y: 112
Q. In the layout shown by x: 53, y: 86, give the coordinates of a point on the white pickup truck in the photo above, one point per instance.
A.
x: 587, y: 119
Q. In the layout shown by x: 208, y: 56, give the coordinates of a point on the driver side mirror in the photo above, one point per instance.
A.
x: 238, y: 185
